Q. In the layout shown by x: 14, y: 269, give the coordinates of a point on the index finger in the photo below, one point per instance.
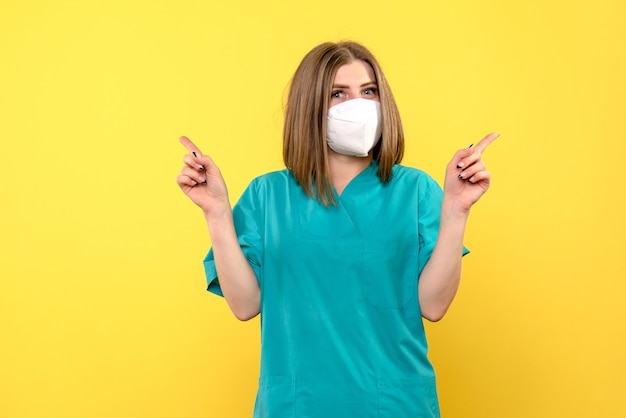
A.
x: 484, y: 143
x: 191, y: 147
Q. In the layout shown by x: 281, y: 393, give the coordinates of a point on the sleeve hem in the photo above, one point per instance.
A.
x: 213, y: 284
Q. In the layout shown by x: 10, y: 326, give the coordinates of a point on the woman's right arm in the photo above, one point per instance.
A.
x: 202, y: 182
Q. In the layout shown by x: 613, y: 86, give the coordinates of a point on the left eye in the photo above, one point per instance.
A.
x: 369, y: 91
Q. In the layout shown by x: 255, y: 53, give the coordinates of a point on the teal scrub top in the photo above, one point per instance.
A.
x: 341, y: 329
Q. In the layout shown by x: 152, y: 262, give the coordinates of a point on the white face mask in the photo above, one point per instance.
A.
x: 354, y: 127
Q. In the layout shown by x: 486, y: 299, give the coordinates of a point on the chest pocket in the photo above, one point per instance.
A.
x: 389, y: 279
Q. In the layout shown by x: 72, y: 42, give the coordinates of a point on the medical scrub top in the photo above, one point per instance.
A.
x: 341, y: 328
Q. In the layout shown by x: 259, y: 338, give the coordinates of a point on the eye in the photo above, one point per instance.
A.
x: 370, y: 91
x: 336, y: 94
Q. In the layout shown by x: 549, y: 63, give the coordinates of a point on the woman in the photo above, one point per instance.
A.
x: 344, y: 252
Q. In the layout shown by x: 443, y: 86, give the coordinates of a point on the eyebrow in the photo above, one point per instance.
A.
x: 343, y: 86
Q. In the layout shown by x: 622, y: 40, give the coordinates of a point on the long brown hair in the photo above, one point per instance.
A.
x: 305, y: 151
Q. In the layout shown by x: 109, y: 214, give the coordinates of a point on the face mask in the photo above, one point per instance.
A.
x: 354, y: 127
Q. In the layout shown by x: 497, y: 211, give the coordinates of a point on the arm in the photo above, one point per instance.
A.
x: 466, y: 181
x: 237, y: 279
x: 441, y: 276
x: 203, y: 183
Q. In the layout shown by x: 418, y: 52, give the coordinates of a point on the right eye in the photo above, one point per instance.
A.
x: 336, y: 94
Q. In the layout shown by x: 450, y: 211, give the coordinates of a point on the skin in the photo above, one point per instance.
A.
x: 352, y: 81
x: 202, y: 181
x: 467, y: 179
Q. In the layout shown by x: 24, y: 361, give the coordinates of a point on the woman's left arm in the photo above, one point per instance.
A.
x: 467, y: 179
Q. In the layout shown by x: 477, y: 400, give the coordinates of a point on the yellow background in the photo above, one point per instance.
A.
x: 103, y: 309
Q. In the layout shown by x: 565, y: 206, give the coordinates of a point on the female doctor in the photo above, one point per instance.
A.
x: 344, y: 251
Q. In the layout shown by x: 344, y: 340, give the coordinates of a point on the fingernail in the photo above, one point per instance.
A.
x: 200, y: 166
x: 460, y: 165
x: 202, y: 180
x: 470, y: 146
x: 194, y: 153
x: 471, y: 179
x: 460, y: 176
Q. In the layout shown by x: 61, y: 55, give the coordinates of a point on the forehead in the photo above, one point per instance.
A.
x: 357, y: 71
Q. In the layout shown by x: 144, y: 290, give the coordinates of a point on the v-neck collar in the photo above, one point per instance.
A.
x: 366, y: 173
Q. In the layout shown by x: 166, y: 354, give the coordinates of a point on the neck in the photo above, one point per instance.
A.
x: 343, y: 168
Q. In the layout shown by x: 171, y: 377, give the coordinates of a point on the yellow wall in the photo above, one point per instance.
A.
x: 103, y: 311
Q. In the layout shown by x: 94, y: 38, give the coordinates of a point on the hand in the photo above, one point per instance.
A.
x: 202, y: 181
x: 467, y: 178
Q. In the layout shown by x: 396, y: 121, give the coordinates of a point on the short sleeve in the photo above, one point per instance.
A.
x: 429, y: 215
x: 248, y: 218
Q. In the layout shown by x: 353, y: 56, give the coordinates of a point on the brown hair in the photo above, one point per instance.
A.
x: 305, y: 151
